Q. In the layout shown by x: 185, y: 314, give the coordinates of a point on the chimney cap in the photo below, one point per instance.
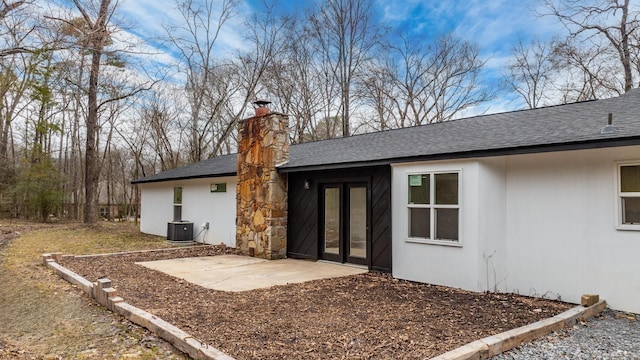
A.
x: 261, y: 103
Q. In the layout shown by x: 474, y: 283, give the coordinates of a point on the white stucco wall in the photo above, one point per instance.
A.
x: 561, y: 235
x: 445, y: 263
x: 539, y: 224
x: 199, y: 205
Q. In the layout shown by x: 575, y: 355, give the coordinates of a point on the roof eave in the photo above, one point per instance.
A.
x: 143, y: 181
x: 520, y: 150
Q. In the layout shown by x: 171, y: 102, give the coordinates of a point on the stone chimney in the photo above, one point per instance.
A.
x: 261, y: 194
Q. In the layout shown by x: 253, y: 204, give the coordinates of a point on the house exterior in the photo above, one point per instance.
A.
x: 202, y: 200
x: 542, y: 202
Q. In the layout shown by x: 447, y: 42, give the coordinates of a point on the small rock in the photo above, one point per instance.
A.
x: 135, y: 355
x: 149, y: 342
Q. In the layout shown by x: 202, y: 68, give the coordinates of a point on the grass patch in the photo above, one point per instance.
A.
x: 78, y: 239
x: 46, y: 316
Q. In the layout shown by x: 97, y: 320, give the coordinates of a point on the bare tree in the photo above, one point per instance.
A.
x: 583, y: 75
x: 635, y: 53
x: 195, y: 39
x: 15, y: 76
x: 14, y: 22
x: 112, y: 119
x: 97, y: 37
x: 423, y: 83
x: 264, y: 35
x: 223, y: 90
x: 344, y: 34
x: 15, y: 68
x: 7, y: 7
x: 165, y: 135
x: 379, y: 90
x: 295, y: 82
x: 531, y: 73
x: 93, y: 33
x: 615, y: 22
x: 456, y: 86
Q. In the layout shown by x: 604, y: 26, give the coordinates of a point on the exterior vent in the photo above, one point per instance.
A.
x: 609, y: 128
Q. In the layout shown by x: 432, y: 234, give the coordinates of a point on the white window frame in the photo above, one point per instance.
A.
x: 432, y: 206
x: 620, y: 195
x: 175, y: 204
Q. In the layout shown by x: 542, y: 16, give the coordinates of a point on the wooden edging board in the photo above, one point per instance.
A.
x: 103, y: 293
x: 497, y: 344
x: 192, y: 245
x: 485, y: 348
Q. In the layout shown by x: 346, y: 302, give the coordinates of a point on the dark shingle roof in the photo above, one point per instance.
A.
x: 225, y: 165
x: 575, y: 125
x: 535, y: 130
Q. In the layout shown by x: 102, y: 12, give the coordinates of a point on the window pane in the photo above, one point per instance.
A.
x: 446, y: 188
x: 177, y: 195
x: 631, y: 210
x: 177, y: 212
x: 447, y: 224
x: 419, y: 189
x: 419, y: 223
x: 630, y: 178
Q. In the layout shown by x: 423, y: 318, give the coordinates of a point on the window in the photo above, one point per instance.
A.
x: 629, y: 195
x: 434, y: 207
x: 221, y: 187
x: 177, y: 203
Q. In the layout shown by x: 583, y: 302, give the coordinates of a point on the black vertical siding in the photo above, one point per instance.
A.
x: 381, y: 219
x: 302, y: 225
x: 302, y: 221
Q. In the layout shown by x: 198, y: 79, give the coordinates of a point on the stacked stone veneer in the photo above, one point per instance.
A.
x: 261, y: 193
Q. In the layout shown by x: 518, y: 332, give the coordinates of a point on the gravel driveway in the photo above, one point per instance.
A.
x: 612, y: 335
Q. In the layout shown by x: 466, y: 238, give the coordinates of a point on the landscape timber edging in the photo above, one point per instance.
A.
x: 499, y: 343
x: 102, y: 292
x: 201, y: 245
x: 485, y: 348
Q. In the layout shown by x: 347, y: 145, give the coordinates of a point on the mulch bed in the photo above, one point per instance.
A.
x: 363, y: 316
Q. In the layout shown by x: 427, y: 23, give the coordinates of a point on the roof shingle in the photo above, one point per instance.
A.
x: 536, y: 130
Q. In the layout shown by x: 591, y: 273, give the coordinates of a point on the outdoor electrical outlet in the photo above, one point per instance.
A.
x: 206, y: 225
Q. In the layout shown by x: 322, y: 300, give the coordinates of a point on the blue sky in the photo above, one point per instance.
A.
x: 495, y: 25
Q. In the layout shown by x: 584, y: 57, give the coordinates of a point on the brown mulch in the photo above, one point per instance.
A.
x: 363, y: 316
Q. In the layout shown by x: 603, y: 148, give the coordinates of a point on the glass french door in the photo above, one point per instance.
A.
x: 344, y: 222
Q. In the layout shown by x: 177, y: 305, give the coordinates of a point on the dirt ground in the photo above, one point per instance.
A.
x: 44, y: 317
x: 356, y: 317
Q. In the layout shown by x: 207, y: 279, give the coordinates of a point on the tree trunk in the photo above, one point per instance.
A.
x: 625, y: 55
x: 92, y: 172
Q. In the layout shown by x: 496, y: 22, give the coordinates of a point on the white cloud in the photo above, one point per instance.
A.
x: 150, y: 18
x: 149, y: 15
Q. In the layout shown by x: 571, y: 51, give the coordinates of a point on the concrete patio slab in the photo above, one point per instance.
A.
x: 242, y: 273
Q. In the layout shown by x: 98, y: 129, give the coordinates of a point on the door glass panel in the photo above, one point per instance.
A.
x: 332, y: 220
x: 358, y: 222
